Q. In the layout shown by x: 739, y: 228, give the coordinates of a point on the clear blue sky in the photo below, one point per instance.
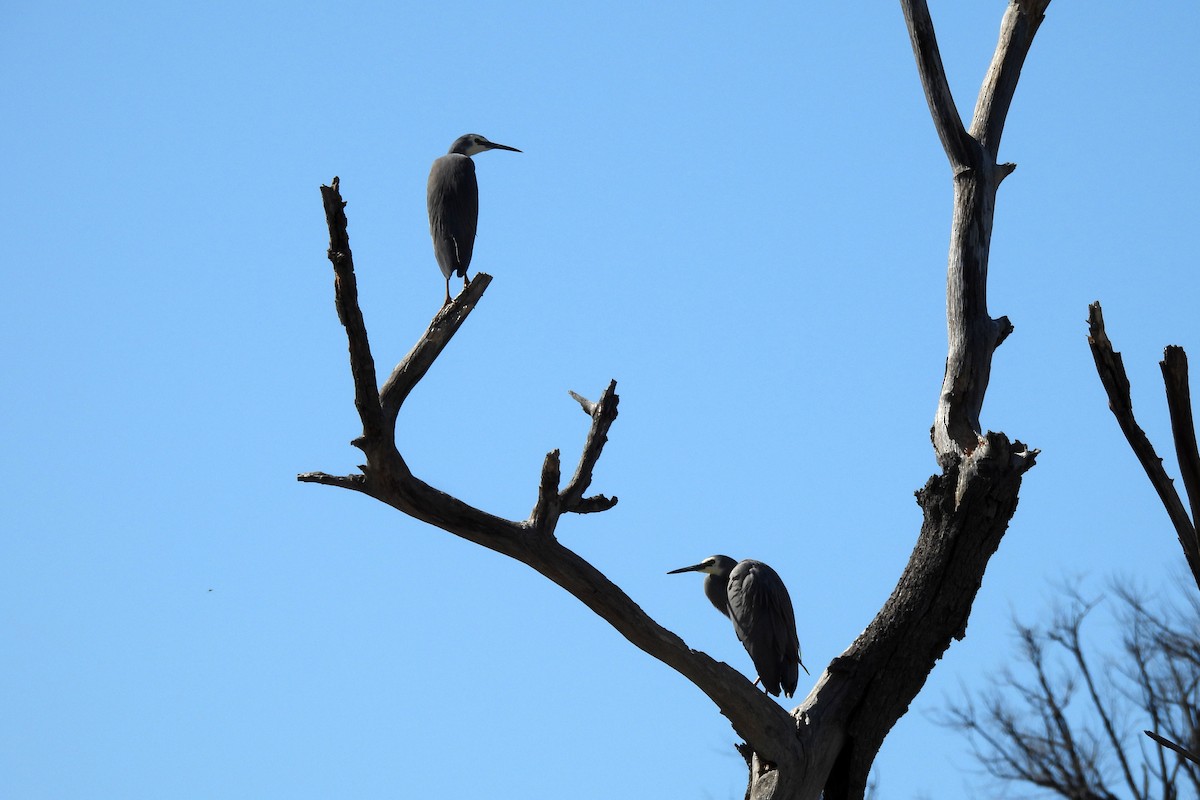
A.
x: 739, y: 214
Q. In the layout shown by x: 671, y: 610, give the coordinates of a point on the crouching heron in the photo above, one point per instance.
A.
x: 752, y: 595
x: 453, y: 198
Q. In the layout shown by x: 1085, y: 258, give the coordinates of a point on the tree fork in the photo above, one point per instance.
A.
x: 828, y: 743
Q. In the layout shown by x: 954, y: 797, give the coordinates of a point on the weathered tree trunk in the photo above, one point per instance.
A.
x: 968, y: 507
x: 828, y: 743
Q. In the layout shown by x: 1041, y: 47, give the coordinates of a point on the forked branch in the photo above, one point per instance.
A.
x: 387, y: 477
x: 973, y: 335
x: 827, y: 745
x: 967, y: 508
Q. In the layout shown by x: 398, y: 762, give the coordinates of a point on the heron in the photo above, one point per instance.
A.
x: 453, y: 198
x: 753, y: 595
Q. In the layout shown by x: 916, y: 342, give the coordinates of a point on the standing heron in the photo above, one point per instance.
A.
x: 753, y: 595
x: 453, y: 197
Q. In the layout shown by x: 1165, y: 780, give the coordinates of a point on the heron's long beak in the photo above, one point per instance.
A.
x: 495, y: 146
x: 693, y: 568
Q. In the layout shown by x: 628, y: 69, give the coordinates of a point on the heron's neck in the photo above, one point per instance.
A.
x: 716, y: 588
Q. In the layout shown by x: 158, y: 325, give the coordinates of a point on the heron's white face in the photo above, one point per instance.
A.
x: 709, y: 566
x: 477, y: 145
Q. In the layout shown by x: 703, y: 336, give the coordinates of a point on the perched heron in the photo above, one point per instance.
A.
x: 453, y: 197
x: 752, y: 595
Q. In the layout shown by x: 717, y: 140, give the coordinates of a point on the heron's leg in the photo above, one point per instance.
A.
x: 466, y: 281
x: 447, y: 293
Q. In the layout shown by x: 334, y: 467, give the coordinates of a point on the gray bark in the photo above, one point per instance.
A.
x: 828, y: 743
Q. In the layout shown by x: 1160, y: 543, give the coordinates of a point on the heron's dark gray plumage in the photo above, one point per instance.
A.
x: 753, y: 596
x: 453, y: 199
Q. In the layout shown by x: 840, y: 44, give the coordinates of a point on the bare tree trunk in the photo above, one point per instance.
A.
x: 968, y: 507
x: 828, y: 743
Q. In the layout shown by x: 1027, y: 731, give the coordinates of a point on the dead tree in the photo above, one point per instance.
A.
x: 1111, y: 369
x: 1063, y: 721
x: 829, y: 742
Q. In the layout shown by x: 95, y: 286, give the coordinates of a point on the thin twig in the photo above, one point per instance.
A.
x: 1167, y: 743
